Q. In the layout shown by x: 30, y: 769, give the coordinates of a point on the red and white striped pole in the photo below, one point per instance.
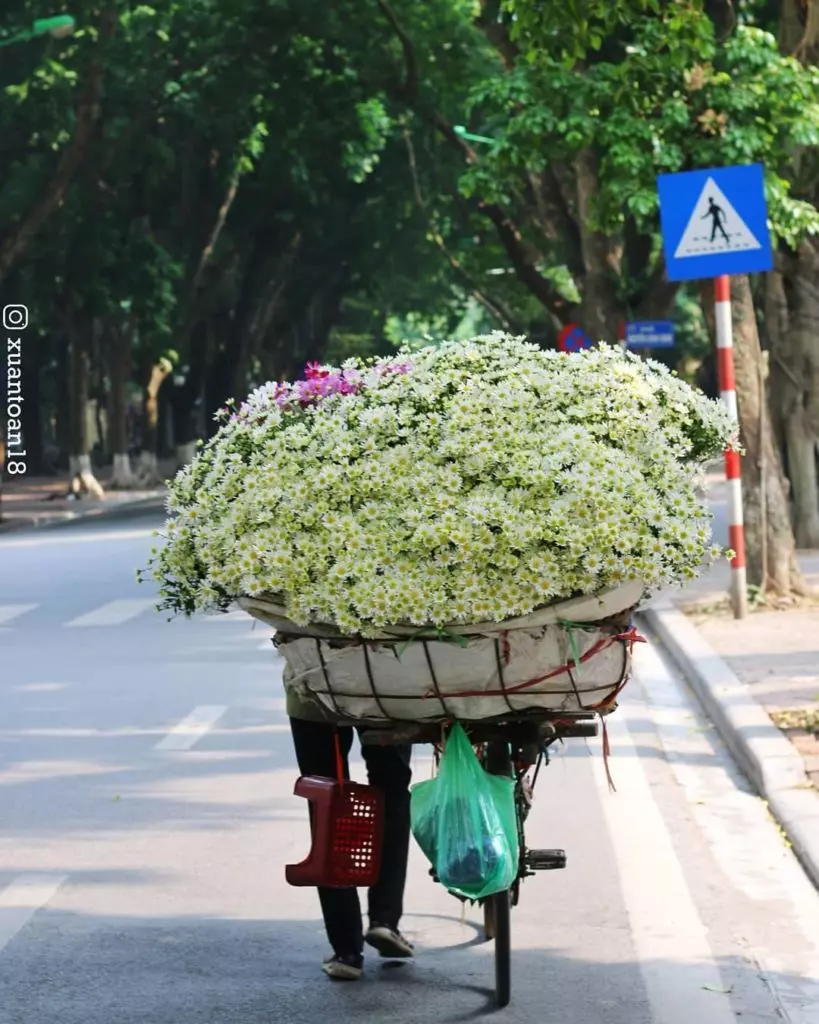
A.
x: 728, y: 393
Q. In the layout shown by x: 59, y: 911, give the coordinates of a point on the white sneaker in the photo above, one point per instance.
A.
x: 344, y: 968
x: 389, y: 942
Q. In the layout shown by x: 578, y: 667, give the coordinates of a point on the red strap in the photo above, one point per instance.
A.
x: 339, y: 759
x: 629, y: 639
x: 606, y: 756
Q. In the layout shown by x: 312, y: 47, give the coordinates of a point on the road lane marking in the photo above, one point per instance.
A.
x: 40, y: 687
x: 236, y: 615
x: 68, y: 537
x: 191, y: 729
x: 682, y: 980
x: 21, y: 900
x: 13, y: 611
x: 114, y: 613
x: 732, y: 820
x: 77, y: 734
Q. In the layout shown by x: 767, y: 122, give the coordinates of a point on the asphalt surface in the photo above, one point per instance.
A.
x: 146, y: 815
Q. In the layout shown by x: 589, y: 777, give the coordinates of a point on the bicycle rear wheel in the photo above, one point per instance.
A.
x: 497, y: 924
x: 489, y: 919
x: 497, y: 909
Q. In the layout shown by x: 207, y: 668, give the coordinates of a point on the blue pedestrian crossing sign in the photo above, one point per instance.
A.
x: 714, y: 222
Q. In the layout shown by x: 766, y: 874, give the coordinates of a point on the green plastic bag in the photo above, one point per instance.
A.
x: 464, y: 820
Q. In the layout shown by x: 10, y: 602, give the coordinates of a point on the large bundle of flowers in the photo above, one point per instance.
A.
x: 468, y: 482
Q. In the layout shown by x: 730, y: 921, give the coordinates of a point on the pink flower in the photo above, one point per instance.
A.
x: 320, y: 382
x: 397, y: 366
x: 314, y: 371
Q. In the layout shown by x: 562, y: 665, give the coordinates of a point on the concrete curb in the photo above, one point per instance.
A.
x: 762, y: 752
x: 120, y: 509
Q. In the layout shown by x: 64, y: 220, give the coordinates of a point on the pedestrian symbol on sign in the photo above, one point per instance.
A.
x: 717, y: 215
x: 725, y: 232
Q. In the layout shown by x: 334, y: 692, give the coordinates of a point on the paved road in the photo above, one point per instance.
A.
x: 718, y: 500
x: 141, y: 861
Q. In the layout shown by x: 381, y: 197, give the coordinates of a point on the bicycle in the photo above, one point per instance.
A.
x: 512, y: 749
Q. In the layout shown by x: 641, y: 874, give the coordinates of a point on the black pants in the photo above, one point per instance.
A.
x: 388, y: 768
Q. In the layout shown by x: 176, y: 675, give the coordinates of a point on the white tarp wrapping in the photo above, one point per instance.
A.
x: 440, y: 679
x: 511, y: 666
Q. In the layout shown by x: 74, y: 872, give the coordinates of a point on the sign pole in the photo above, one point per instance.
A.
x: 728, y: 394
x: 714, y: 223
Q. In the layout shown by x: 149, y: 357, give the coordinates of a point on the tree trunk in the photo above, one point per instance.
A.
x: 307, y: 334
x: 776, y: 330
x: 764, y: 487
x: 98, y: 391
x: 33, y: 411
x: 78, y: 437
x: 796, y: 352
x: 802, y: 467
x: 799, y: 30
x: 119, y: 349
x: 218, y: 382
x: 148, y: 469
x: 187, y: 398
x: 792, y: 309
x: 62, y: 412
x: 802, y: 419
x: 266, y: 280
x: 165, y: 431
x: 83, y: 480
x: 601, y: 313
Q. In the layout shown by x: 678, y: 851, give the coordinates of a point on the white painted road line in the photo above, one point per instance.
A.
x: 21, y: 900
x: 236, y: 615
x: 114, y: 613
x: 191, y: 729
x: 13, y: 611
x: 682, y: 980
x: 64, y: 537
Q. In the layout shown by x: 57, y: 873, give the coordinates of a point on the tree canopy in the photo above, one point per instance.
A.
x: 244, y: 185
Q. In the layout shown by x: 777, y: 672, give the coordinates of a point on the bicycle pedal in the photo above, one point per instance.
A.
x: 545, y: 860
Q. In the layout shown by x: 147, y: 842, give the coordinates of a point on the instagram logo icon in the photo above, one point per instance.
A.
x: 15, y: 318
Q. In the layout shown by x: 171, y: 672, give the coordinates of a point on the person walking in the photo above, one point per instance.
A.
x: 388, y: 768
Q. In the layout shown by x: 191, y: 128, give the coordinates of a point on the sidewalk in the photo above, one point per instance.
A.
x: 758, y: 679
x: 34, y: 501
x: 776, y: 655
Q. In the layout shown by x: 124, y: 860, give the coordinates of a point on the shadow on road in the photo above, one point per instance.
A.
x: 75, y: 969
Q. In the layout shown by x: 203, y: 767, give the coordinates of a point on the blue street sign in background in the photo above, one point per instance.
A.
x: 650, y: 334
x: 715, y: 222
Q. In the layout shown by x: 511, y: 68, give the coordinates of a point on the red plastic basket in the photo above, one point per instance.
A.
x: 347, y: 826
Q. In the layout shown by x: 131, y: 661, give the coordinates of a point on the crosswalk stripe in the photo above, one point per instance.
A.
x: 682, y: 980
x: 21, y: 900
x: 13, y: 611
x: 114, y: 613
x: 191, y: 729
